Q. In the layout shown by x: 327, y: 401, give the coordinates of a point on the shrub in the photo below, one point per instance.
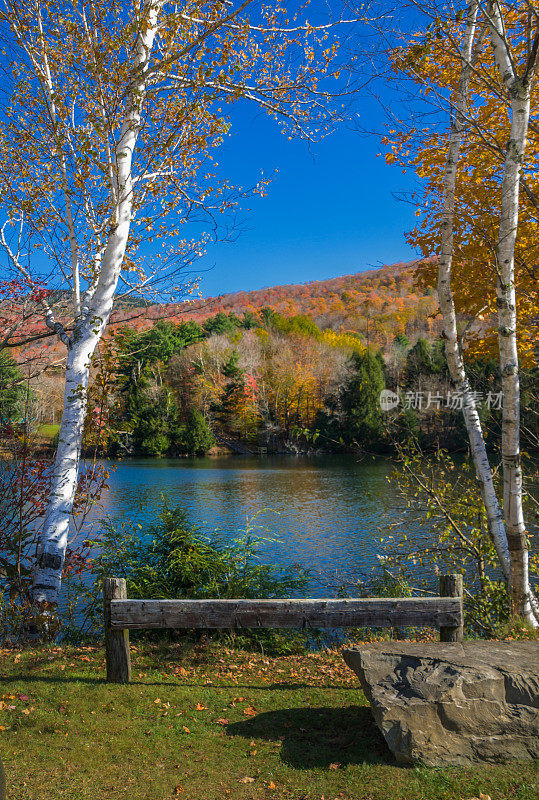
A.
x: 174, y: 560
x: 442, y: 496
x: 24, y: 491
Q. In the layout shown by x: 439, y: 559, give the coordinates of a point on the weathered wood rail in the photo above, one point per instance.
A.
x: 122, y: 614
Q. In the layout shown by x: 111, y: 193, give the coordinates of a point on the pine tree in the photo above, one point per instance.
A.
x: 363, y: 417
x: 11, y: 389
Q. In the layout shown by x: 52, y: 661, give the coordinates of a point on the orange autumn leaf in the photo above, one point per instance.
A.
x: 481, y: 797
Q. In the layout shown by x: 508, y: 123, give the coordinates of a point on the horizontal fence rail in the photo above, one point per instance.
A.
x: 122, y: 614
x: 349, y: 613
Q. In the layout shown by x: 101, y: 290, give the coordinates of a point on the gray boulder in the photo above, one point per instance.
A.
x: 440, y: 704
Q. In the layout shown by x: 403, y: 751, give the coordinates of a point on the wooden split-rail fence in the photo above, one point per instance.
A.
x: 122, y: 615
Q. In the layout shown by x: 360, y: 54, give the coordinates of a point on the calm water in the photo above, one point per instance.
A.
x: 325, y: 512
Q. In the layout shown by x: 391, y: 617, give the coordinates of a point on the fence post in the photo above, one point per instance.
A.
x: 116, y: 641
x: 451, y: 586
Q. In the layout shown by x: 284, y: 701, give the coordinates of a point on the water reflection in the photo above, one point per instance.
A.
x: 326, y: 512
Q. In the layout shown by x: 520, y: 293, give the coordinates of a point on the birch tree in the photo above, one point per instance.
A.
x: 106, y: 143
x: 477, y: 68
x: 518, y: 78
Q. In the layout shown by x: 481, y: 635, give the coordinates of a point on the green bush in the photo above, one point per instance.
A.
x: 174, y: 560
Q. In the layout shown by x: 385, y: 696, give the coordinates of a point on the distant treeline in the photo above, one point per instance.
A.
x: 281, y: 383
x: 379, y: 304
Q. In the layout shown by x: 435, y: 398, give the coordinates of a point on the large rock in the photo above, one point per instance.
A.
x: 439, y: 704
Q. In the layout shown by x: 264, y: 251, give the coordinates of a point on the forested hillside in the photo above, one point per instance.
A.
x: 289, y: 367
x: 378, y: 303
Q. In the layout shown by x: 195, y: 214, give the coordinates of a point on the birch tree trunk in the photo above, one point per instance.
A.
x: 519, y: 93
x: 54, y: 537
x: 507, y: 341
x: 89, y: 327
x: 453, y: 354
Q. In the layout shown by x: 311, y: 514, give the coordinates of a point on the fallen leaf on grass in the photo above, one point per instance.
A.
x: 177, y: 790
x: 222, y: 722
x: 201, y: 707
x: 186, y: 730
x: 271, y: 785
x: 249, y: 711
x: 236, y: 700
x: 334, y: 766
x: 247, y: 780
x: 481, y: 797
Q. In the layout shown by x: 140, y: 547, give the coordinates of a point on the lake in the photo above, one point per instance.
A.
x: 325, y: 512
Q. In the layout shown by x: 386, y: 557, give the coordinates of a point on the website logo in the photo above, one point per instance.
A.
x: 388, y: 400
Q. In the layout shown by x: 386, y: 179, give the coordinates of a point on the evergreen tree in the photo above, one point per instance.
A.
x: 418, y: 361
x: 155, y: 422
x: 11, y: 389
x: 194, y: 437
x: 237, y: 410
x: 222, y: 323
x: 248, y: 320
x: 363, y: 418
x: 231, y: 368
x: 402, y: 340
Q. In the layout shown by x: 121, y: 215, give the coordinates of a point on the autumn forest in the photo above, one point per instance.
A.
x: 294, y: 368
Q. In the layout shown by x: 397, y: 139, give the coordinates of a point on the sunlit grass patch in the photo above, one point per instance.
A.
x: 209, y: 723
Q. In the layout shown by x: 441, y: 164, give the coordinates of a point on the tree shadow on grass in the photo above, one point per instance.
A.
x: 171, y: 682
x: 318, y: 737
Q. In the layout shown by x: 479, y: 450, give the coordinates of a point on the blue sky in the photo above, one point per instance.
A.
x: 329, y: 210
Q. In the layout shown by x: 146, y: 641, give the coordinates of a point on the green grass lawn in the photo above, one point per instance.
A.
x: 210, y: 725
x: 48, y: 431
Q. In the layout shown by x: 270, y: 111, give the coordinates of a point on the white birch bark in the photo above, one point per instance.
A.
x: 519, y: 93
x: 88, y: 331
x: 453, y: 354
x: 509, y: 367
